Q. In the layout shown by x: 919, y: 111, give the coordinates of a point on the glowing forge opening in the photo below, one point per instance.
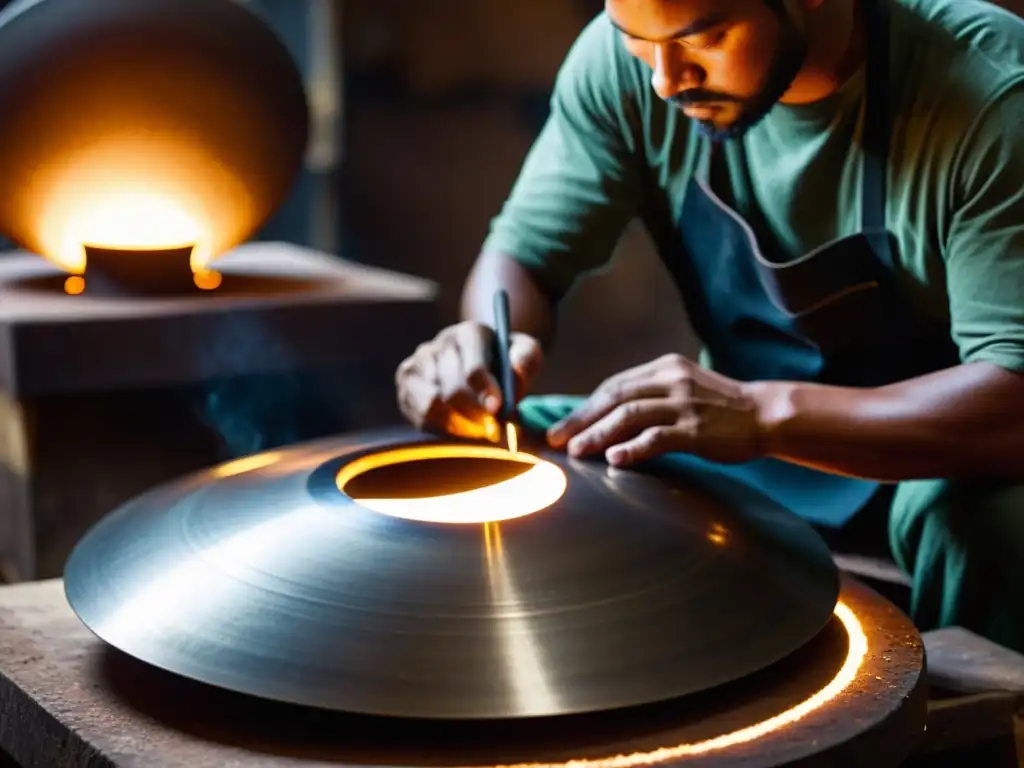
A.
x: 134, y: 191
x: 135, y: 270
x: 458, y: 484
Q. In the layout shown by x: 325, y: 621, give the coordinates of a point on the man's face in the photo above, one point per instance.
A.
x: 724, y: 63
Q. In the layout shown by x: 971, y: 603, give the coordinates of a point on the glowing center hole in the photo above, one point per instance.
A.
x: 452, y: 483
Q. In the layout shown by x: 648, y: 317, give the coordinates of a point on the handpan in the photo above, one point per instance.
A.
x: 392, y: 573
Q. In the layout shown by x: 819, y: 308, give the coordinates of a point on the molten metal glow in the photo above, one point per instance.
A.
x: 74, y: 285
x: 535, y: 489
x: 512, y: 437
x: 856, y: 653
x: 134, y: 192
x: 247, y: 464
x: 207, y: 279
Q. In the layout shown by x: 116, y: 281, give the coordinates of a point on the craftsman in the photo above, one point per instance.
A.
x: 837, y: 188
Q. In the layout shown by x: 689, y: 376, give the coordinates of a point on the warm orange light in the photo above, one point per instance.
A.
x: 136, y: 193
x: 145, y: 127
x: 523, y: 648
x: 207, y: 279
x: 247, y: 464
x: 535, y: 489
x: 512, y: 436
x: 718, y: 534
x: 856, y: 653
x: 74, y: 285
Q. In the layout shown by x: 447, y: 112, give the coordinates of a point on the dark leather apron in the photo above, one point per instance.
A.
x: 835, y: 315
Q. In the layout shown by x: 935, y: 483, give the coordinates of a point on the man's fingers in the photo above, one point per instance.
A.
x: 623, y: 423
x: 420, y: 395
x: 600, y: 404
x: 422, y: 405
x: 646, y: 372
x: 461, y: 390
x: 527, y: 358
x: 449, y: 367
x: 447, y: 385
x: 474, y: 344
x: 649, y: 444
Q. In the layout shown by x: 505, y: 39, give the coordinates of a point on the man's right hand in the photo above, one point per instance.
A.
x: 447, y: 386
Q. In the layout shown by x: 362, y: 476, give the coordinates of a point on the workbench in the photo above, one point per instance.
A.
x: 67, y: 700
x: 105, y: 396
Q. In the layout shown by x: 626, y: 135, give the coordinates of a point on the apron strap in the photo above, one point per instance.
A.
x: 876, y: 129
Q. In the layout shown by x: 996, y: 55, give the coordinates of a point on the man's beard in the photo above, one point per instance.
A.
x: 785, y: 65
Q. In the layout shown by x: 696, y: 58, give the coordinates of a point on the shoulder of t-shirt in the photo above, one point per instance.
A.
x: 958, y: 72
x: 600, y: 78
x: 982, y: 43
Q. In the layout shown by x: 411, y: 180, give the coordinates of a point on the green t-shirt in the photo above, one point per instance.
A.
x: 955, y: 183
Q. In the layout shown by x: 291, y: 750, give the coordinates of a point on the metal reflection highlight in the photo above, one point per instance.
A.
x: 512, y: 437
x: 524, y: 656
x: 532, y: 491
x: 855, y: 655
x: 246, y: 464
x: 151, y: 606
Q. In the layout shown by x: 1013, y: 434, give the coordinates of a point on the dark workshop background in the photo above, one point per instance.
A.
x: 423, y: 112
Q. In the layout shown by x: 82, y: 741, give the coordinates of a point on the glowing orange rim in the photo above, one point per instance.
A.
x: 858, y: 650
x: 532, y: 491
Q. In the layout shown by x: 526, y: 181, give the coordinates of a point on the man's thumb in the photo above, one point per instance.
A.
x: 527, y: 358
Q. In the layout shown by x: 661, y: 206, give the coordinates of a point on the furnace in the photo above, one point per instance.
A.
x: 144, y: 142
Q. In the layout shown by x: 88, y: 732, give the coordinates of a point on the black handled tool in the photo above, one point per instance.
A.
x: 503, y: 362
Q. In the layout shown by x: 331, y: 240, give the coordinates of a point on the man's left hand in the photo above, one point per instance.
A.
x: 669, y: 404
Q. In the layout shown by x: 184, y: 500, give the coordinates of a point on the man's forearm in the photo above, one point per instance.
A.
x: 532, y: 312
x: 962, y: 422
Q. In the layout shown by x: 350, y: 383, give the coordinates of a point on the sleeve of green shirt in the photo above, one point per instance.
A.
x: 985, y: 237
x: 579, y: 185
